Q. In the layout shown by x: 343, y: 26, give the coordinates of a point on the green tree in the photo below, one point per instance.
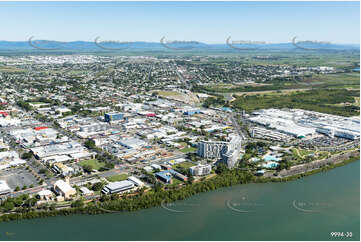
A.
x: 97, y: 186
x: 8, y: 205
x: 90, y: 144
x: 88, y: 168
x: 77, y: 204
x: 27, y: 155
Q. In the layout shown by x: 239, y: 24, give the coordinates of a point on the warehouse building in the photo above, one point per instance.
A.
x: 117, y: 187
x: 301, y: 123
x: 132, y: 143
x: 136, y: 181
x: 67, y: 148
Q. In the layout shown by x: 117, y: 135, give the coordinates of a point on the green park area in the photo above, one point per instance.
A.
x: 175, y: 182
x: 93, y: 163
x: 301, y: 153
x: 185, y: 165
x: 120, y: 177
x: 188, y: 149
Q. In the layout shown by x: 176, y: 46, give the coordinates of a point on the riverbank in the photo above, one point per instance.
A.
x: 317, y: 164
x: 156, y: 198
x: 335, y: 195
x: 310, y: 172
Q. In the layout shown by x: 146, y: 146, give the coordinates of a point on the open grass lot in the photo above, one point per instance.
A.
x: 175, y: 182
x: 319, y: 100
x: 94, y: 163
x: 120, y: 177
x: 188, y: 149
x: 301, y: 153
x: 182, y: 143
x: 185, y: 165
x: 273, y: 92
x: 11, y: 69
x: 168, y: 93
x: 321, y: 81
x: 356, y: 103
x: 338, y: 80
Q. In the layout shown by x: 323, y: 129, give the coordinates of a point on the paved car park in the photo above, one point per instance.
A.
x: 18, y: 177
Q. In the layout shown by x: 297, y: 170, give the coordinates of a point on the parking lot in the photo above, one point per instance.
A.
x: 324, y: 141
x: 18, y: 177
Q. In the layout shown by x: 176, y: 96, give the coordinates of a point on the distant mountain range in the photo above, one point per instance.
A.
x: 99, y: 46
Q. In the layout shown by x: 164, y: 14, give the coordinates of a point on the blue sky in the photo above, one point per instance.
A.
x: 210, y: 22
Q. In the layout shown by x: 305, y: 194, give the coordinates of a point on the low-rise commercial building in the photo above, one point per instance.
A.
x: 117, y: 187
x: 63, y: 169
x: 136, y: 181
x: 10, y: 159
x: 64, y: 189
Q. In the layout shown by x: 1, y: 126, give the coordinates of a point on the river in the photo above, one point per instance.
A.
x: 306, y: 209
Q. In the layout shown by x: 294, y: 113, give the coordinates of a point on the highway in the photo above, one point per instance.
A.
x: 238, y: 128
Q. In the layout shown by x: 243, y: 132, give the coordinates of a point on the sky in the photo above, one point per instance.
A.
x: 209, y: 22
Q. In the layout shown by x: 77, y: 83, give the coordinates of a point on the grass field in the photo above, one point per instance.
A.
x: 319, y: 100
x: 320, y: 81
x: 273, y: 92
x: 175, y: 182
x: 188, y: 150
x: 168, y: 93
x: 184, y: 164
x: 94, y: 163
x: 120, y: 177
x: 338, y: 80
x: 11, y: 69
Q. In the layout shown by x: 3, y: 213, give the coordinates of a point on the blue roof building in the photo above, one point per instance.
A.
x: 227, y: 109
x: 113, y: 116
x: 192, y: 111
x: 164, y: 176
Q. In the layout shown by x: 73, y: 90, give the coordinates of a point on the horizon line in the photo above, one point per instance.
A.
x: 194, y: 41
